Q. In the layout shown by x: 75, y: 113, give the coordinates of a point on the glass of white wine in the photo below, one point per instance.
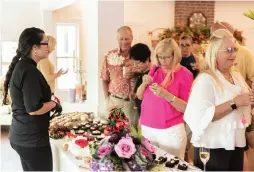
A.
x: 204, y: 154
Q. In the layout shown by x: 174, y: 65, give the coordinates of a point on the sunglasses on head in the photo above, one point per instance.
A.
x: 230, y: 50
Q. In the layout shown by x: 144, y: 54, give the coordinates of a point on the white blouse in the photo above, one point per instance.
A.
x: 227, y: 132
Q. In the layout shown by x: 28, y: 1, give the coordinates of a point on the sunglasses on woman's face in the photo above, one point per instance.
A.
x: 230, y: 50
x: 44, y: 43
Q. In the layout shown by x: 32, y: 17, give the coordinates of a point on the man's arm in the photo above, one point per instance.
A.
x: 105, y: 78
x: 105, y: 88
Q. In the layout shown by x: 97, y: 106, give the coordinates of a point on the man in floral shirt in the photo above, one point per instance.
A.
x: 117, y: 76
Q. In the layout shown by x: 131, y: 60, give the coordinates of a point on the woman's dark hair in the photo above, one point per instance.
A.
x: 140, y: 52
x: 28, y: 38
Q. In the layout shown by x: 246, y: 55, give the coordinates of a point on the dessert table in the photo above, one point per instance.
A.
x: 6, y: 115
x: 66, y: 161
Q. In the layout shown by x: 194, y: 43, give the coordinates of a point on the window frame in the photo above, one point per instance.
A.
x: 77, y: 52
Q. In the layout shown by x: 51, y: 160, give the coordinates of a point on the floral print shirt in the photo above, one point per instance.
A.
x: 112, y: 71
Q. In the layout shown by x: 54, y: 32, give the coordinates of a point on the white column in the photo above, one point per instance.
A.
x: 111, y: 17
x: 101, y: 20
x: 90, y: 17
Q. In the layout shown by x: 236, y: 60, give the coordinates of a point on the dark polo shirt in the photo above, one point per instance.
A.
x: 29, y: 90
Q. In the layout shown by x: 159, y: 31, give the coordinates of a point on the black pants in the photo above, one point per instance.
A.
x: 35, y: 158
x: 221, y: 160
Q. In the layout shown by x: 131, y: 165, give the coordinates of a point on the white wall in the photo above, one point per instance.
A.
x: 17, y: 16
x: 145, y: 16
x: 231, y: 12
x: 110, y: 18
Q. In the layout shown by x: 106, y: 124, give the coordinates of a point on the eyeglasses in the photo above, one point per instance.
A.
x: 186, y: 45
x: 44, y: 43
x: 163, y: 57
x: 230, y: 50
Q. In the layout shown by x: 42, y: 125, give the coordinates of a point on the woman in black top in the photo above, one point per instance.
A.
x: 140, y: 54
x: 31, y: 104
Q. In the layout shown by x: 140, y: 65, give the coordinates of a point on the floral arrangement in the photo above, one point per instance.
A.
x: 117, y: 122
x: 199, y: 34
x: 122, y: 150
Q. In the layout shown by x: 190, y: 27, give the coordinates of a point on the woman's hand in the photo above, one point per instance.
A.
x: 158, y: 90
x: 244, y: 99
x: 60, y: 72
x: 147, y: 80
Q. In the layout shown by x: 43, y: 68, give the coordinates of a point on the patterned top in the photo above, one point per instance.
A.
x: 112, y: 71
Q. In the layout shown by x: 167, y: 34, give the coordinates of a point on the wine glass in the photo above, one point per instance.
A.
x: 204, y: 154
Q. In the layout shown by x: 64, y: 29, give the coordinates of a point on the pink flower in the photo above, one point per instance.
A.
x: 104, y: 150
x: 148, y: 145
x: 125, y: 148
x: 144, y: 151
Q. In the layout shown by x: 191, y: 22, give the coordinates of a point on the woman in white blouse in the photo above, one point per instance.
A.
x: 219, y: 107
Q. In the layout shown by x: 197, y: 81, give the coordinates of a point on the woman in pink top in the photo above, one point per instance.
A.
x: 165, y: 91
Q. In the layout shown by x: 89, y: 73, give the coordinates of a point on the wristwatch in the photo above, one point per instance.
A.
x: 233, y: 105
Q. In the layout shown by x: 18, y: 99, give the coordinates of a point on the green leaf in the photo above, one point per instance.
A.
x: 249, y: 14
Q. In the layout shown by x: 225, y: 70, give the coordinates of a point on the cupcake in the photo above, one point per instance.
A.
x: 171, y: 163
x: 162, y: 159
x: 88, y: 126
x: 182, y: 167
x: 96, y: 132
x: 92, y: 129
x: 176, y: 160
x: 79, y: 132
x: 75, y: 127
x: 90, y: 120
x: 96, y: 121
x: 96, y: 127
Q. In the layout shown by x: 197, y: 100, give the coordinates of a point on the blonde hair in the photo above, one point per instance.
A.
x: 168, y: 44
x: 208, y: 65
x: 52, y: 43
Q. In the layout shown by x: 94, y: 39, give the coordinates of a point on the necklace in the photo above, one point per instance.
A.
x: 229, y: 78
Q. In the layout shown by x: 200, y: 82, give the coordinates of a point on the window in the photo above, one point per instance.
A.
x: 8, y: 51
x: 67, y: 53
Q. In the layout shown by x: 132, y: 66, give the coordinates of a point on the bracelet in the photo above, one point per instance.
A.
x: 173, y: 99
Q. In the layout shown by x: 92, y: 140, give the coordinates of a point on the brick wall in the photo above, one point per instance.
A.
x: 184, y: 9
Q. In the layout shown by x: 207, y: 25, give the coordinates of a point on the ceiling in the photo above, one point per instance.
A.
x: 47, y: 4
